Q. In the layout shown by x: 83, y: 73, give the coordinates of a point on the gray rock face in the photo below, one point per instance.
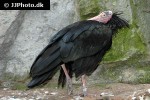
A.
x: 11, y: 29
x: 119, y: 6
x: 142, y: 14
x: 26, y: 33
x: 23, y: 34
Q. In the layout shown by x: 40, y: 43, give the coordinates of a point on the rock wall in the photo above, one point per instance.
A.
x: 141, y: 15
x: 11, y: 22
x: 23, y: 34
x: 128, y: 60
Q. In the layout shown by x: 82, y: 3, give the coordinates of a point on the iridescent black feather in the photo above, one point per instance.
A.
x: 80, y: 46
x: 117, y: 22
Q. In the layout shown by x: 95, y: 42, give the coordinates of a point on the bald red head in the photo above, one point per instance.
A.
x: 103, y: 17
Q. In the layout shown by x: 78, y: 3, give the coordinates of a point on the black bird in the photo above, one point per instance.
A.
x: 76, y: 49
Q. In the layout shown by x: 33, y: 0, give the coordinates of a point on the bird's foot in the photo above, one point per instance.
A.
x: 84, y: 91
x: 69, y: 87
x: 70, y: 90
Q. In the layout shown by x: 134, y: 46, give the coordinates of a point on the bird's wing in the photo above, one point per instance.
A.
x: 70, y: 30
x: 84, y: 39
x: 88, y: 65
x: 53, y: 45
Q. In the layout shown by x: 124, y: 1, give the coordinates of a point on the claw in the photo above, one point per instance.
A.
x: 84, y: 88
x: 84, y: 91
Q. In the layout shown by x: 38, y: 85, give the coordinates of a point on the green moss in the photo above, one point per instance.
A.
x: 127, y: 50
x: 102, y: 86
x: 133, y: 70
x: 144, y: 70
x: 134, y: 11
x: 88, y: 8
x: 110, y: 74
x: 144, y: 78
x: 15, y: 81
x: 126, y: 43
x: 19, y: 86
x: 51, y: 84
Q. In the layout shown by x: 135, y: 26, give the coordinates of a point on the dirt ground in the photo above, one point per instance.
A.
x: 115, y: 91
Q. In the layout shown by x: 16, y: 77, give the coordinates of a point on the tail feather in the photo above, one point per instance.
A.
x: 45, y: 66
x: 45, y: 59
x: 43, y: 79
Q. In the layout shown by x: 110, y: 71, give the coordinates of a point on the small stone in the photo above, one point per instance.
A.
x: 13, y: 99
x: 39, y: 98
x: 19, y: 93
x: 78, y: 98
x: 53, y: 93
x: 106, y: 94
x: 46, y: 92
x: 148, y: 90
x: 42, y: 89
x: 5, y: 89
x: 13, y: 93
x: 140, y: 98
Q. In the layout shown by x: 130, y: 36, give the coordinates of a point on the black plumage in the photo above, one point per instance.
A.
x: 80, y: 46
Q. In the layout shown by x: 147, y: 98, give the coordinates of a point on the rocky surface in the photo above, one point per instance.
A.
x: 141, y: 13
x: 115, y: 91
x: 23, y: 34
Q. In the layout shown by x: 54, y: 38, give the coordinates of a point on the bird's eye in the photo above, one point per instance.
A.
x: 104, y: 15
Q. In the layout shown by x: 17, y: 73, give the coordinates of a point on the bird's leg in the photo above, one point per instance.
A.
x: 69, y: 81
x: 84, y: 88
